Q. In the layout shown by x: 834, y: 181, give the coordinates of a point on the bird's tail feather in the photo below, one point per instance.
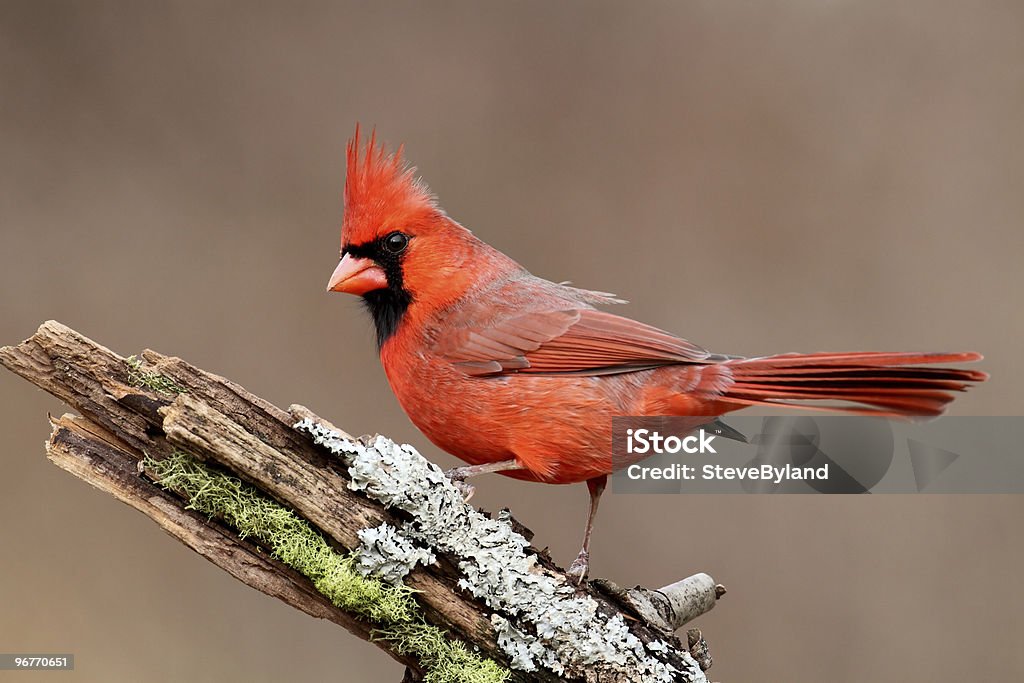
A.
x: 886, y: 384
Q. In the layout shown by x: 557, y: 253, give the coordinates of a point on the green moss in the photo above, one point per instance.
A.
x: 293, y: 541
x: 152, y: 380
x: 445, y: 660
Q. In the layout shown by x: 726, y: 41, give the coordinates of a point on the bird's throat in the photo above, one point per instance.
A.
x: 388, y: 307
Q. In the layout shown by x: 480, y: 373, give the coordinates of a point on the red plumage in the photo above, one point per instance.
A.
x: 513, y: 373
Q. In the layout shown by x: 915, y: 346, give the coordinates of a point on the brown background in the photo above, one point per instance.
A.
x: 759, y: 177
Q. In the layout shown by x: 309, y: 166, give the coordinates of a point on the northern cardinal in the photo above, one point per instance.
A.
x: 515, y: 374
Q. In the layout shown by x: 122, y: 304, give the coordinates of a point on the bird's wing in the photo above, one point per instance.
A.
x: 573, y: 341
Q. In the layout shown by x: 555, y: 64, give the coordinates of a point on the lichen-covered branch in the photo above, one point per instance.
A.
x: 363, y: 532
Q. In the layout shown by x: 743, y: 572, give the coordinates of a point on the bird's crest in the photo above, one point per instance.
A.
x: 381, y: 191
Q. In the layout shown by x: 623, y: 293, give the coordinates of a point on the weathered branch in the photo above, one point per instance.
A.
x: 382, y: 514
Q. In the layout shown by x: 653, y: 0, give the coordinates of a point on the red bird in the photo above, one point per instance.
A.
x: 515, y: 374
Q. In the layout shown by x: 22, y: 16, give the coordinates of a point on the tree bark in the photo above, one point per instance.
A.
x: 158, y: 406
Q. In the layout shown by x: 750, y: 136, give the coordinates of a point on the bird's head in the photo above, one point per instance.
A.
x: 397, y: 245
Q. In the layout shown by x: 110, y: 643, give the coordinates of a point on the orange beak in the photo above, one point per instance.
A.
x: 357, y: 276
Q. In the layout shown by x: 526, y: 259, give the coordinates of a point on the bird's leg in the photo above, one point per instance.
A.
x: 459, y: 475
x: 579, y: 567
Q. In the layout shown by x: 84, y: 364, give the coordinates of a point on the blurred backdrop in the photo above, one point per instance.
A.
x: 758, y: 177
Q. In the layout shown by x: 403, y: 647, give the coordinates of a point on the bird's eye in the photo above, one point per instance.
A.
x: 396, y: 242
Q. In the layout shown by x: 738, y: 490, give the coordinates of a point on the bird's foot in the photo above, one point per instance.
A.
x: 457, y: 476
x: 577, y: 571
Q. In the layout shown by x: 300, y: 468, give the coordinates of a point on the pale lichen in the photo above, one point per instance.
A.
x: 522, y: 649
x: 544, y: 622
x: 388, y: 555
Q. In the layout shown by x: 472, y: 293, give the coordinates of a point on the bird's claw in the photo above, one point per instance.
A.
x: 577, y: 571
x: 457, y: 477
